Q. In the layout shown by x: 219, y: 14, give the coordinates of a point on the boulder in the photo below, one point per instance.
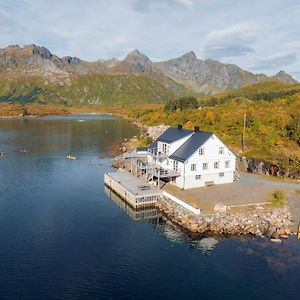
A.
x: 280, y: 231
x: 220, y: 207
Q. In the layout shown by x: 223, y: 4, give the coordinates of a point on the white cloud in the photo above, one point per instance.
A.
x: 231, y: 41
x: 101, y: 29
x: 277, y: 60
x: 8, y: 24
x: 158, y: 5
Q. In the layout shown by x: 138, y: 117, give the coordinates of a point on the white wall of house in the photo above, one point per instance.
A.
x: 215, y: 165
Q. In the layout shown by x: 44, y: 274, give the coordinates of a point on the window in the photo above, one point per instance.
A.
x: 221, y: 150
x: 164, y: 148
x: 167, y: 161
x: 205, y: 166
x: 216, y: 164
x: 227, y: 164
x: 198, y: 177
x: 221, y: 174
x: 201, y: 151
x: 175, y: 165
x: 193, y: 167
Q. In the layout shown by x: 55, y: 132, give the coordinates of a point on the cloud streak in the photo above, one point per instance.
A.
x: 234, y: 40
x: 145, y: 6
x: 277, y: 60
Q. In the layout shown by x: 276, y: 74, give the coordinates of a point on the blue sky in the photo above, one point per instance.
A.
x: 262, y: 36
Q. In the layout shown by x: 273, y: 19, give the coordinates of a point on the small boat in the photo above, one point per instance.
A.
x: 2, y: 153
x: 23, y: 150
x: 276, y: 240
x: 71, y: 157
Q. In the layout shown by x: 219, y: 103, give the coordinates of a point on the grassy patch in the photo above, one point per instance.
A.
x: 140, y: 141
x: 278, y: 198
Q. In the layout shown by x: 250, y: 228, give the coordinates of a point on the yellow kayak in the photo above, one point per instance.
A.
x: 72, y: 157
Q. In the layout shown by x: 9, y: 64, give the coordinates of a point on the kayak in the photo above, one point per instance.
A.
x: 71, y: 157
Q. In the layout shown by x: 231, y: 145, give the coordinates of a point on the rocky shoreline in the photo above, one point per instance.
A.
x: 271, y: 222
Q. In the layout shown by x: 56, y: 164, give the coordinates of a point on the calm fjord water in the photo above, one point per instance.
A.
x: 63, y: 237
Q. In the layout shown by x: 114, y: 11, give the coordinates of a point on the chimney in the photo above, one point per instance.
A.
x: 196, y: 129
x: 179, y: 126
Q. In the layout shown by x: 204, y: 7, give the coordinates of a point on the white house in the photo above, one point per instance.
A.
x: 195, y: 158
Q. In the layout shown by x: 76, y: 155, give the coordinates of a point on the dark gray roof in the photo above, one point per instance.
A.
x: 174, y: 134
x: 141, y: 149
x: 191, y: 145
x: 153, y: 145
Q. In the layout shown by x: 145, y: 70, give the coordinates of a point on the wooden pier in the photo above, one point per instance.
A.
x: 132, y: 189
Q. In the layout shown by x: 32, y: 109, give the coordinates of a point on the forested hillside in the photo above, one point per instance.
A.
x: 272, y: 124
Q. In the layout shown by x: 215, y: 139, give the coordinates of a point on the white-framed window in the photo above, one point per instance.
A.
x: 175, y: 165
x: 193, y: 167
x: 216, y: 164
x: 198, y: 177
x: 227, y: 164
x: 205, y: 166
x: 201, y: 151
x: 164, y: 148
x: 221, y: 174
x: 221, y: 150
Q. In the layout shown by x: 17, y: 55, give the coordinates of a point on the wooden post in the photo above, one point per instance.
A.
x: 298, y: 235
x: 158, y: 178
x: 244, y: 131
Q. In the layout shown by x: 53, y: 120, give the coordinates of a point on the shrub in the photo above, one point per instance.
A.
x: 278, y: 198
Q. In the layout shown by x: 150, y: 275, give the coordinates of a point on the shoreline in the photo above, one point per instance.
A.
x: 273, y: 223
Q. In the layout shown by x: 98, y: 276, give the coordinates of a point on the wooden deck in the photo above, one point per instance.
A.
x: 132, y: 189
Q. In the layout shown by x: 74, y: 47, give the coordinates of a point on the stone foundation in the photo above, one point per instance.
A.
x: 260, y: 221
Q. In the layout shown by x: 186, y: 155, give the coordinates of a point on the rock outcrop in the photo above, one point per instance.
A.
x: 256, y: 166
x: 284, y: 77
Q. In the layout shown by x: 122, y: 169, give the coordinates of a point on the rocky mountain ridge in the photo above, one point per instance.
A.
x: 201, y: 76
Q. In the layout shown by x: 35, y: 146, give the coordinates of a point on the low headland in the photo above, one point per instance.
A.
x: 15, y: 110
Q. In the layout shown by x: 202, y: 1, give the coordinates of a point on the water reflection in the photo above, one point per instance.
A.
x: 169, y: 230
x: 205, y: 244
x: 150, y: 213
x: 281, y: 257
x: 64, y: 134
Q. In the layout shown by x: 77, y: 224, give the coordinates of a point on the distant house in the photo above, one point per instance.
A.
x: 193, y: 158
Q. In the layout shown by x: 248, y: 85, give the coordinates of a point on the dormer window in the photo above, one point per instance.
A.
x: 201, y: 151
x: 221, y: 150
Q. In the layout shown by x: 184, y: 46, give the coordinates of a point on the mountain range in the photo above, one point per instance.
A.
x: 41, y: 74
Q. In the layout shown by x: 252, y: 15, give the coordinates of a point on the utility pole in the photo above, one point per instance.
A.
x: 244, y: 131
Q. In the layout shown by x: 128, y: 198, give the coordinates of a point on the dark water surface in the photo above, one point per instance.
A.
x: 63, y: 236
